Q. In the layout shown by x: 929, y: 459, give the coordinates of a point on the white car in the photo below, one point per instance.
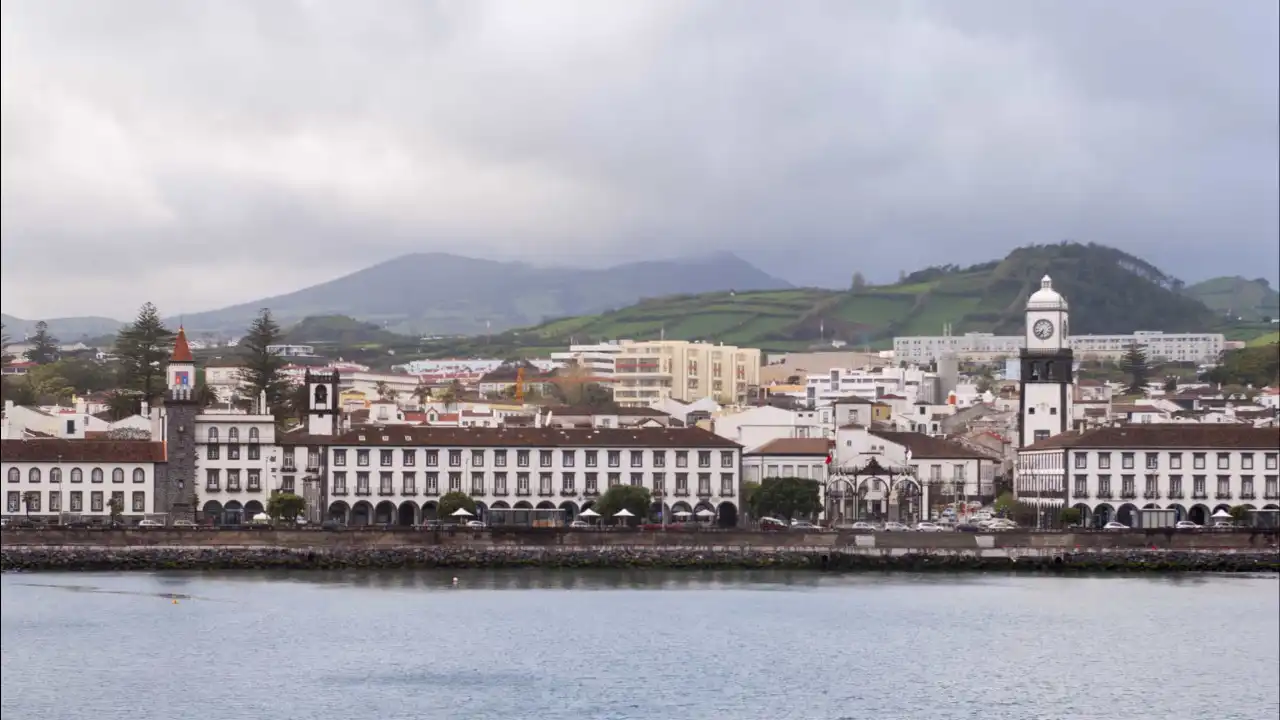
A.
x: 151, y: 524
x: 1186, y: 525
x: 475, y: 524
x: 929, y: 527
x: 579, y: 524
x: 804, y: 526
x: 895, y: 527
x: 1113, y: 525
x: 183, y: 524
x: 1002, y: 524
x: 862, y: 527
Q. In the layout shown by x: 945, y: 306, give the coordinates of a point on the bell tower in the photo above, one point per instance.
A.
x: 1047, y: 368
x: 322, y: 403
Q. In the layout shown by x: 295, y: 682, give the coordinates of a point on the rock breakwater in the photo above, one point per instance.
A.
x: 82, y: 558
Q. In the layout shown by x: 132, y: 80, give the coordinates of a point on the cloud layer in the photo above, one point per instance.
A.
x: 199, y: 154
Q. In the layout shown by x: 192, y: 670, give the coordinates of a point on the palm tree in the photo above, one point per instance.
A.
x: 385, y: 391
x: 122, y: 405
x: 422, y: 394
x: 450, y: 394
x: 205, y: 396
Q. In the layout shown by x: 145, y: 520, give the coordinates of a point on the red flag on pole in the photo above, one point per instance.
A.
x: 828, y: 458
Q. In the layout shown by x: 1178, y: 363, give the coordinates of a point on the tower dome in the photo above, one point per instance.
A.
x: 1046, y: 298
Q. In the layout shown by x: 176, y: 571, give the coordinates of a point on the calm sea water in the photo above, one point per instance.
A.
x: 530, y: 644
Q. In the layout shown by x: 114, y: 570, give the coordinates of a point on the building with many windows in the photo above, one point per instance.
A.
x: 52, y: 477
x: 643, y: 372
x: 1110, y: 473
x: 985, y: 347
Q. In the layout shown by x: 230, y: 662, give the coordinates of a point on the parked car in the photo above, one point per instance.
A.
x: 579, y: 525
x: 928, y: 527
x: 1113, y: 525
x: 333, y: 525
x: 968, y: 527
x: 768, y: 524
x: 862, y: 527
x: 187, y: 524
x: 475, y: 524
x: 895, y: 527
x: 150, y: 524
x: 1186, y: 525
x: 801, y: 526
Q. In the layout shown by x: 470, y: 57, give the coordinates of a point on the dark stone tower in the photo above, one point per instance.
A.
x: 176, y: 480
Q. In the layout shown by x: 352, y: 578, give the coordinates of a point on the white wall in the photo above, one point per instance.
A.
x: 62, y: 494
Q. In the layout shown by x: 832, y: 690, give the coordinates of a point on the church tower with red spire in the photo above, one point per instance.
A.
x: 175, y: 483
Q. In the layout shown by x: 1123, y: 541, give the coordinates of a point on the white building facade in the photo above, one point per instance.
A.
x: 985, y: 347
x: 48, y: 478
x: 1110, y: 473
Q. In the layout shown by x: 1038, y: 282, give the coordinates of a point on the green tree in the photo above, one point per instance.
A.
x: 1171, y: 384
x: 385, y: 391
x: 422, y: 393
x: 1071, y: 517
x: 634, y: 498
x: 122, y: 404
x: 263, y: 369
x: 86, y: 376
x: 1005, y: 504
x: 787, y: 497
x: 204, y: 396
x: 44, y: 347
x: 450, y: 502
x: 116, y: 509
x: 297, y: 402
x: 1239, y: 514
x: 48, y: 385
x: 1134, y: 364
x: 142, y: 348
x: 859, y: 282
x: 5, y: 357
x: 449, y: 396
x: 286, y: 506
x: 749, y: 490
x: 29, y: 498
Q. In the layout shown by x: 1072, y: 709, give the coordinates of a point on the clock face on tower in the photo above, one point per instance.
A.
x: 1043, y: 329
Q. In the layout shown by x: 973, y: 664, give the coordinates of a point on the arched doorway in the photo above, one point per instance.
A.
x: 1103, y: 514
x: 570, y: 510
x: 1086, y: 515
x: 1179, y: 512
x: 727, y: 515
x: 252, y: 510
x: 1198, y: 514
x: 501, y: 505
x: 430, y: 510
x: 872, y: 499
x: 482, y: 512
x: 407, y: 515
x: 385, y: 513
x: 1127, y: 515
x: 361, y: 514
x: 904, y: 501
x: 546, y: 505
x: 339, y: 511
x: 704, y: 512
x: 232, y: 513
x: 840, y: 501
x: 212, y: 512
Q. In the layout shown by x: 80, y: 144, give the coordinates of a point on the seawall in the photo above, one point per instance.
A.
x: 258, y: 550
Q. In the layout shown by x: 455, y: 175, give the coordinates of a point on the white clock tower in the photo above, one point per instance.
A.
x: 1047, y: 368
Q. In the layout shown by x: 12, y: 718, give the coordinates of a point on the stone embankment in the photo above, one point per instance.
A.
x: 102, y: 558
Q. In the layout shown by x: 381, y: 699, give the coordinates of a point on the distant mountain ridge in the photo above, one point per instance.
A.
x: 67, y: 330
x: 1237, y: 297
x: 443, y: 294
x: 1111, y: 292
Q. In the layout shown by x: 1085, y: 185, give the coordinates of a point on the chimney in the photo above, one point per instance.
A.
x: 262, y: 403
x: 145, y: 409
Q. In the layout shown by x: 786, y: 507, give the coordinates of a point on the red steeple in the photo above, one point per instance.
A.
x: 181, y: 350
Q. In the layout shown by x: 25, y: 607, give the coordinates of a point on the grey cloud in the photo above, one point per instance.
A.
x: 266, y: 146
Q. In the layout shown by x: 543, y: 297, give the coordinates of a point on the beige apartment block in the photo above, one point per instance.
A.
x: 645, y: 371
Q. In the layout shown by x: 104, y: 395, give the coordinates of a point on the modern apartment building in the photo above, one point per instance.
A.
x: 646, y: 371
x: 985, y: 347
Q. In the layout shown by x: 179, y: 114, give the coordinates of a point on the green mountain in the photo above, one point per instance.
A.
x: 68, y: 330
x: 1238, y: 298
x: 441, y: 294
x: 1109, y: 291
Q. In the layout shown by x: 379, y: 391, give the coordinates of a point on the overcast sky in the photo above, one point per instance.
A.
x: 198, y: 154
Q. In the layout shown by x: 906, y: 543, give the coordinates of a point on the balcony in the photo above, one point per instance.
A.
x: 1199, y: 495
x: 523, y: 492
x: 681, y: 493
x: 363, y: 491
x: 341, y: 490
x: 658, y: 492
x: 408, y: 490
x: 1247, y: 495
x: 726, y: 492
x: 1104, y: 494
x: 591, y: 492
x: 1080, y: 494
x: 386, y: 491
x: 1271, y: 495
x: 288, y: 466
x: 568, y: 492
x: 477, y: 491
x: 1151, y: 495
x: 432, y: 492
x: 546, y: 493
x: 1128, y: 494
x: 212, y: 487
x: 1222, y: 495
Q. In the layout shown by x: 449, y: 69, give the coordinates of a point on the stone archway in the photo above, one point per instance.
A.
x: 339, y: 511
x: 1103, y: 513
x: 430, y: 511
x: 1179, y: 512
x: 570, y: 510
x: 904, y: 501
x: 1127, y: 515
x: 407, y: 514
x: 212, y: 512
x: 1086, y: 515
x: 361, y: 514
x: 1198, y: 514
x: 385, y: 513
x: 233, y: 513
x: 727, y: 515
x: 252, y: 510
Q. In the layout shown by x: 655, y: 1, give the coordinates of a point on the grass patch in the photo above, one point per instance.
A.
x: 1264, y: 340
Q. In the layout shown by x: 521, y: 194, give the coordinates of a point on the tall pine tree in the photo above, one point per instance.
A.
x: 262, y: 370
x: 1134, y: 364
x: 44, y: 347
x: 142, y: 348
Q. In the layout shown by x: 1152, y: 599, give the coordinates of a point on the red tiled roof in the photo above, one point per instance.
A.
x: 85, y: 451
x: 927, y: 446
x: 1166, y: 435
x: 436, y: 436
x: 181, y: 350
x: 818, y: 447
